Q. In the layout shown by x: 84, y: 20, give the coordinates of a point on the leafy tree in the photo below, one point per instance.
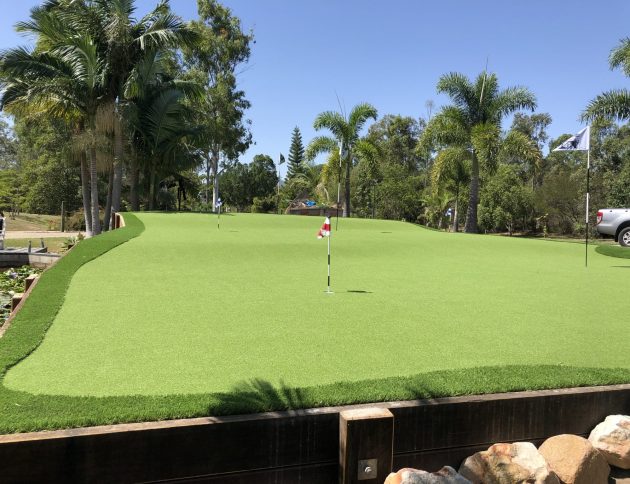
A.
x: 397, y: 138
x: 399, y: 195
x: 47, y: 174
x: 221, y: 48
x: 505, y: 202
x: 8, y: 147
x: 345, y: 138
x: 296, y: 154
x: 242, y: 184
x: 473, y: 121
x: 9, y: 184
x: 533, y: 127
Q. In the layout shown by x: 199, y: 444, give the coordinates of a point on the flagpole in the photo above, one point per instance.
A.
x: 219, y: 218
x: 329, y: 291
x: 338, y: 191
x: 588, y: 187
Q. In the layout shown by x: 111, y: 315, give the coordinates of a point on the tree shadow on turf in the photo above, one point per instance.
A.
x: 259, y: 395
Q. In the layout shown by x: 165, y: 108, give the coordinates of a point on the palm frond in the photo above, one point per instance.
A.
x: 620, y: 56
x: 369, y: 154
x: 359, y: 115
x: 457, y: 87
x: 451, y: 163
x: 163, y: 29
x: 448, y: 127
x: 520, y: 146
x: 332, y: 121
x: 513, y: 99
x: 486, y: 141
x: 612, y: 105
x: 320, y: 144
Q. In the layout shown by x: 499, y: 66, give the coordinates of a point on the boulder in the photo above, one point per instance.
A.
x: 446, y: 475
x: 508, y: 463
x: 612, y: 438
x: 575, y: 460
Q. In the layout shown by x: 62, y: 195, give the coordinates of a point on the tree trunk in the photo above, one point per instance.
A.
x: 96, y: 223
x: 85, y: 190
x: 215, y: 179
x: 208, y: 173
x: 118, y: 172
x: 151, y: 188
x: 108, y: 204
x: 471, y: 217
x: 133, y: 195
x: 346, y: 205
x: 456, y: 212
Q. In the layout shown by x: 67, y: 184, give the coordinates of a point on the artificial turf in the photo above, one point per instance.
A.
x: 186, y: 319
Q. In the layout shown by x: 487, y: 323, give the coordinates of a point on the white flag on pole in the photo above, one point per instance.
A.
x: 579, y: 142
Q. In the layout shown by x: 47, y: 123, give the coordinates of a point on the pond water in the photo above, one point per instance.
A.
x: 12, y: 281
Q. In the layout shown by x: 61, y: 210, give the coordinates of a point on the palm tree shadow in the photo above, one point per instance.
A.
x: 259, y: 395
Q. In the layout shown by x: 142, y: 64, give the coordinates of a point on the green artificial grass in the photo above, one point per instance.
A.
x: 614, y: 251
x: 186, y: 320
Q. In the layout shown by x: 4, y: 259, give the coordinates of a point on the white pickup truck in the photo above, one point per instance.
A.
x: 615, y: 222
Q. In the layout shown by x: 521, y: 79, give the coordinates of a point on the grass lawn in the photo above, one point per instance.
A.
x: 30, y: 222
x: 185, y: 320
x: 54, y: 244
x: 614, y: 251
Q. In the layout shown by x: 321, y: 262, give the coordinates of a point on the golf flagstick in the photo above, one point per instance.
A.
x: 588, y: 195
x: 219, y: 203
x: 582, y: 142
x: 328, y: 290
x: 325, y: 232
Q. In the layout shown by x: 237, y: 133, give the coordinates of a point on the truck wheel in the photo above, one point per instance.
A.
x: 624, y: 237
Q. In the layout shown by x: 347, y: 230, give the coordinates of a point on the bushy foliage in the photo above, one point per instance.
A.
x: 505, y: 203
x: 241, y: 183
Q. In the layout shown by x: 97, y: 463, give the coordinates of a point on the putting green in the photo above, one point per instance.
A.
x: 186, y: 308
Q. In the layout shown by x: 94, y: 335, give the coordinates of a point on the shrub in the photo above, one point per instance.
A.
x: 264, y: 204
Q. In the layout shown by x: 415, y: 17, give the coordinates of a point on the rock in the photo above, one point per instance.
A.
x: 575, y: 460
x: 508, y: 463
x: 446, y: 475
x: 612, y: 438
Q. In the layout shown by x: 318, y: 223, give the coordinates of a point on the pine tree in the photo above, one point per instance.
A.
x: 296, y: 154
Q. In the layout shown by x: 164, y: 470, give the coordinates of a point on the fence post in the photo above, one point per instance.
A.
x: 366, y: 440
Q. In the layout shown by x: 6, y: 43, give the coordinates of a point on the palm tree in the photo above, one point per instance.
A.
x: 472, y: 120
x: 62, y: 77
x: 345, y: 138
x: 85, y: 54
x: 613, y: 104
x: 451, y: 171
x: 158, y: 118
x: 125, y: 42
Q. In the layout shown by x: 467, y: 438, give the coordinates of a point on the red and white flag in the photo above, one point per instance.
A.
x: 325, y: 230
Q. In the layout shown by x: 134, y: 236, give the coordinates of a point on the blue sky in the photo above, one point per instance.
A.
x: 391, y: 54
